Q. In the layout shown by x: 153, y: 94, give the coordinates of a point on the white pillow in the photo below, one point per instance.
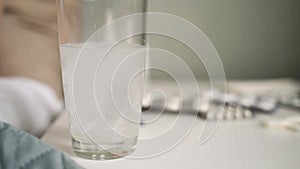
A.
x: 28, y: 104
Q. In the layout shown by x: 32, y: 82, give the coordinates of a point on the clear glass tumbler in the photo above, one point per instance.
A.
x: 102, y: 50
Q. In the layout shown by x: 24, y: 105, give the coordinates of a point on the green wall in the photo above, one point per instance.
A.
x: 254, y: 38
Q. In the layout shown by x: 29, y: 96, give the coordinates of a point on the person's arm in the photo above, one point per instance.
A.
x: 29, y: 41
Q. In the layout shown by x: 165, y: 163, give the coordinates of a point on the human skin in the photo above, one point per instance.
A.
x: 1, y: 3
x: 29, y: 41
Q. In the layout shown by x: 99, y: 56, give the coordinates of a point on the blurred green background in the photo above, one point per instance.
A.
x: 255, y: 38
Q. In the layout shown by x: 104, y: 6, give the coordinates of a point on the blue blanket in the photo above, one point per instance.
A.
x: 20, y: 150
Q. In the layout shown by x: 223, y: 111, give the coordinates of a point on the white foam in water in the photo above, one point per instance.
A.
x: 86, y: 76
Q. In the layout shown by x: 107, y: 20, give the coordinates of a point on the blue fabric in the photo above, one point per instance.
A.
x: 20, y: 150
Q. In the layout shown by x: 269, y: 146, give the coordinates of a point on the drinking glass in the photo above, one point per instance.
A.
x: 102, y: 77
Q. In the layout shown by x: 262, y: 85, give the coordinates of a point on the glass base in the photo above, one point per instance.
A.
x: 94, y: 152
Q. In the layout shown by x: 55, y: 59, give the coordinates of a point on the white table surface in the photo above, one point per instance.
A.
x: 235, y: 145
